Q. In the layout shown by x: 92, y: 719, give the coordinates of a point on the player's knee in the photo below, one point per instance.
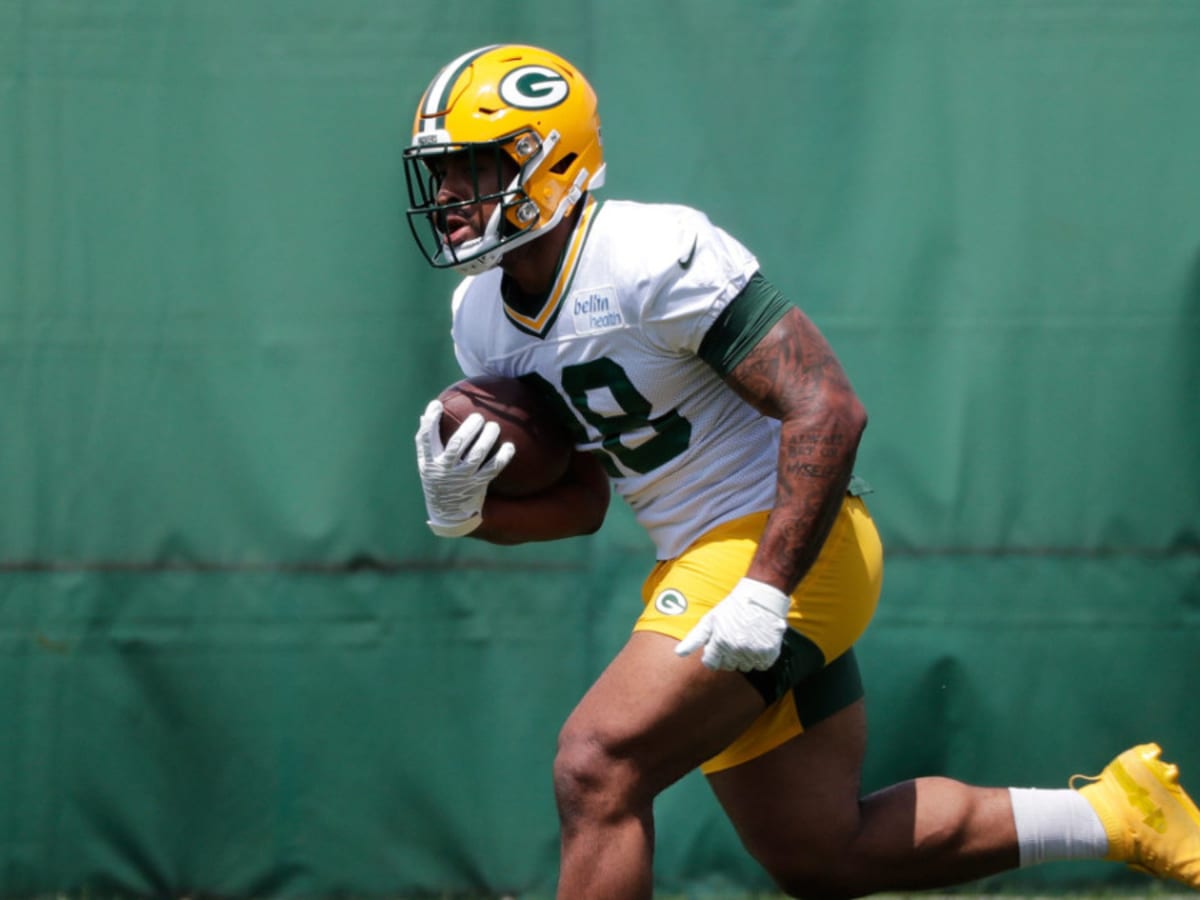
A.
x: 957, y: 807
x: 812, y: 885
x: 589, y: 782
x: 827, y: 869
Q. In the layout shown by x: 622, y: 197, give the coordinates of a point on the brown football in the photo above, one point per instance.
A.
x: 543, y: 446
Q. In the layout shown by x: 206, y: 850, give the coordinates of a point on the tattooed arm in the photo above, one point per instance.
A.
x: 793, y: 375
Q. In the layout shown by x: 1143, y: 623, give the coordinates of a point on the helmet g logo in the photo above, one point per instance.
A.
x: 533, y: 87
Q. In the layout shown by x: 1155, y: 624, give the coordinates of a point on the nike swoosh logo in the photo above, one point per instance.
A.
x: 685, y: 261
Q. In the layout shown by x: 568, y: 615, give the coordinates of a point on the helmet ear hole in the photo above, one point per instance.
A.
x: 563, y: 164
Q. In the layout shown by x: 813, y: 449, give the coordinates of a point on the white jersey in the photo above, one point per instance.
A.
x: 617, y: 337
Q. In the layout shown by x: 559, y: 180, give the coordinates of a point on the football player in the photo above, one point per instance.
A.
x: 720, y: 413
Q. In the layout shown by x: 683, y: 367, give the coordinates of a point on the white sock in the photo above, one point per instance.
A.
x: 1056, y: 824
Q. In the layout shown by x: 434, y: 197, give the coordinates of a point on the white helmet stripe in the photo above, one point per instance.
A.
x: 436, y: 97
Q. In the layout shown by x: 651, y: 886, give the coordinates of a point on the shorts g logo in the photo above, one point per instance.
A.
x: 671, y: 603
x: 533, y: 87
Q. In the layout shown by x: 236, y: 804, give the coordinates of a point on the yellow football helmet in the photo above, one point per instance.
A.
x: 533, y: 111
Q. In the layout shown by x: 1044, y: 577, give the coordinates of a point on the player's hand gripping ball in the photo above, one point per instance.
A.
x: 543, y: 446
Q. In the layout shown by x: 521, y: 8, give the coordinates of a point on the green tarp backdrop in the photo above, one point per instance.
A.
x: 233, y: 660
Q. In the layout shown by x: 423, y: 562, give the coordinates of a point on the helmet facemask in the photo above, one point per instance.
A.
x: 515, y: 219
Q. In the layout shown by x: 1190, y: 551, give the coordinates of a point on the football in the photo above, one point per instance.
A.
x: 543, y: 446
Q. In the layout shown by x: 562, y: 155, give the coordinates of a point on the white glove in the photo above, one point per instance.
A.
x: 455, y: 477
x: 744, y: 631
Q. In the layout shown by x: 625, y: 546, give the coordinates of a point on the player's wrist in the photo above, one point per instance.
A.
x: 455, y: 529
x: 765, y: 596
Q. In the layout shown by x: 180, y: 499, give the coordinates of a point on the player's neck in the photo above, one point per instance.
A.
x: 532, y: 267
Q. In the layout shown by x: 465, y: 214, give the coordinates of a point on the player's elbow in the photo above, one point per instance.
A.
x: 854, y: 414
x: 841, y: 417
x: 596, y: 515
x: 591, y: 506
x: 594, y: 492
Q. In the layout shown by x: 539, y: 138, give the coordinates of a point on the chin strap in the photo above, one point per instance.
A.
x: 479, y: 264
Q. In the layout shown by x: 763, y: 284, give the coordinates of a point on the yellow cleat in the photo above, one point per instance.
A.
x: 1151, y: 823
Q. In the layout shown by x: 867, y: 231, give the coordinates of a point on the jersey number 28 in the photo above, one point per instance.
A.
x: 671, y: 430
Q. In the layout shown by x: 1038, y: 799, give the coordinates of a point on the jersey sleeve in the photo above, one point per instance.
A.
x: 695, y: 283
x: 742, y: 324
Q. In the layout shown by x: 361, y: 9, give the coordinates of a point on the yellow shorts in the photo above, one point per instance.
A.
x: 816, y: 675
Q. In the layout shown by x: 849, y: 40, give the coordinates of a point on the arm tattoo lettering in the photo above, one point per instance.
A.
x: 793, y: 375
